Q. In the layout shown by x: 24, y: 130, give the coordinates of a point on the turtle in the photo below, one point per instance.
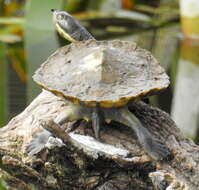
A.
x: 100, y: 79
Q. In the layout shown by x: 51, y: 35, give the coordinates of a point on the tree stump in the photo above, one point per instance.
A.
x: 116, y: 163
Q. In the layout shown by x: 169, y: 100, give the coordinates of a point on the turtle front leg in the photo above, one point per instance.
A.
x: 71, y: 113
x: 153, y: 146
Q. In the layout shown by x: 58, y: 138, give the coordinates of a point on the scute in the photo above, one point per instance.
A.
x: 106, y: 72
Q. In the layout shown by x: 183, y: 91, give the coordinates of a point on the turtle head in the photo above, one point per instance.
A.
x: 65, y: 24
x: 68, y: 27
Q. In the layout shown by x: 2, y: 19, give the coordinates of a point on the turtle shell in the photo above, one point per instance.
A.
x: 108, y: 73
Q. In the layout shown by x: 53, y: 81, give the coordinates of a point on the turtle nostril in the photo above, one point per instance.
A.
x: 53, y: 10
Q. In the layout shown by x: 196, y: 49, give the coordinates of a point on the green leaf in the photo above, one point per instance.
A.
x: 2, y: 185
x: 12, y: 20
x: 3, y: 85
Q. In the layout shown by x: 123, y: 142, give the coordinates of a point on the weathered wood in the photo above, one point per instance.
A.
x: 117, y: 162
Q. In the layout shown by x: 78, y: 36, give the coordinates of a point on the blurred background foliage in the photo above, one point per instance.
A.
x: 27, y: 38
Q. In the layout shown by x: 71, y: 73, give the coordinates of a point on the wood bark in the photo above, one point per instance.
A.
x: 116, y: 163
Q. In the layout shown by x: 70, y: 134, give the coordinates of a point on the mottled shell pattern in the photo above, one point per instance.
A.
x: 108, y: 73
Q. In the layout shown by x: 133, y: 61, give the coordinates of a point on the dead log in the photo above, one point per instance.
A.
x: 116, y: 163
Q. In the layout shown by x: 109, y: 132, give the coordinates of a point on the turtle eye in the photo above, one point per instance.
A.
x: 60, y: 17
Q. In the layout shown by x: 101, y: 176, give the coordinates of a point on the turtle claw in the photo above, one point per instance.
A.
x: 152, y: 145
x: 38, y: 143
x: 157, y: 151
x: 160, y: 152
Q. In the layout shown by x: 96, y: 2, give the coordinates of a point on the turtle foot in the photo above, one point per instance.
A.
x: 38, y: 143
x: 152, y: 145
